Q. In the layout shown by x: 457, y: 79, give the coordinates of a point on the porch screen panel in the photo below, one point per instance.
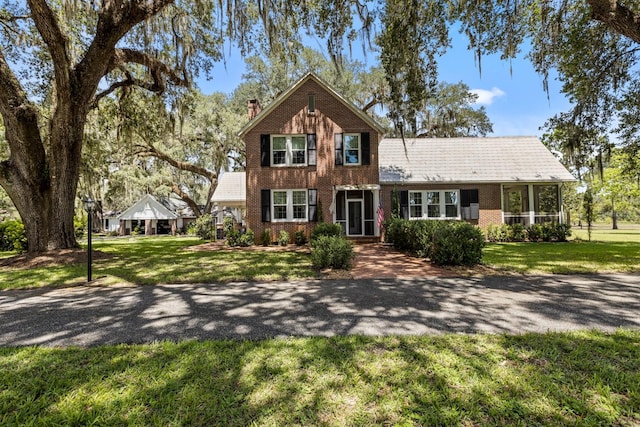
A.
x: 341, y: 210
x: 369, y: 213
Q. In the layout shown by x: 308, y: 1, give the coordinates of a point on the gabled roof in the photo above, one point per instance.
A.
x: 231, y: 189
x: 286, y: 94
x: 472, y: 160
x: 147, y: 208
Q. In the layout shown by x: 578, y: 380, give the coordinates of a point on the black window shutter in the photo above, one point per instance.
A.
x: 467, y: 197
x: 312, y: 153
x: 265, y: 150
x: 337, y: 139
x: 404, y: 204
x: 266, y: 205
x: 313, y: 205
x: 366, y: 148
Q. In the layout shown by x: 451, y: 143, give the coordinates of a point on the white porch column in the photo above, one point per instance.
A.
x: 532, y: 208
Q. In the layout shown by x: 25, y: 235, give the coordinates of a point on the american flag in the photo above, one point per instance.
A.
x: 380, y: 213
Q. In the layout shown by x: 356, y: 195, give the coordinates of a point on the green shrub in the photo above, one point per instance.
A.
x: 80, y: 226
x: 12, y: 236
x: 283, y: 238
x: 534, y: 232
x: 205, y: 227
x: 326, y: 229
x: 495, y: 233
x: 457, y: 243
x: 227, y: 225
x: 300, y: 238
x: 265, y: 237
x: 247, y: 238
x: 331, y: 251
x: 517, y: 233
x: 233, y: 237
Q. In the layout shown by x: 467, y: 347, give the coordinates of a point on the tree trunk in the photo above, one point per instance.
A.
x: 47, y: 203
x: 614, y: 215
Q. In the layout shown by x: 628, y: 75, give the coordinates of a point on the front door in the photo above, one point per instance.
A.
x: 354, y: 218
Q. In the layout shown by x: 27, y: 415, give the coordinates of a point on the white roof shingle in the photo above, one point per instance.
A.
x: 231, y: 189
x: 473, y: 160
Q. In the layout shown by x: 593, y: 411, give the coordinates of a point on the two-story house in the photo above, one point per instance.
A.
x: 312, y: 155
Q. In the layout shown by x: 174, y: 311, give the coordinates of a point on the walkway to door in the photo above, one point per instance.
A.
x: 380, y: 261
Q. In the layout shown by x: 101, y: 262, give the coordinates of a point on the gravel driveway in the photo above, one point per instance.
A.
x: 87, y: 316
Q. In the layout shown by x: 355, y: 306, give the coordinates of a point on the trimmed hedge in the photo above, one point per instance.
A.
x: 443, y: 242
x: 547, y: 232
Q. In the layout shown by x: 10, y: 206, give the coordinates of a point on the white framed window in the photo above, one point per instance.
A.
x: 352, y: 149
x: 289, y: 205
x: 434, y: 204
x: 288, y: 150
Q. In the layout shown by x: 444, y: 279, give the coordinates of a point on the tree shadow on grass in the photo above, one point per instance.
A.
x: 440, y: 380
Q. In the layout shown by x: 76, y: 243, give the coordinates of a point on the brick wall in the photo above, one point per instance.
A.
x: 292, y: 117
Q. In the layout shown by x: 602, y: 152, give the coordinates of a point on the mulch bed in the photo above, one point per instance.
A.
x: 51, y: 259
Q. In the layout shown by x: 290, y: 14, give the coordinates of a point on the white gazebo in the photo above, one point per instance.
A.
x: 149, y: 215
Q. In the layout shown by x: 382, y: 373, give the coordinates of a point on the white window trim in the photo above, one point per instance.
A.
x: 288, y: 151
x: 344, y: 149
x: 290, y: 217
x: 443, y: 205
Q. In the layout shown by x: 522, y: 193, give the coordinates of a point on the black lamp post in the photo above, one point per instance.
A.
x: 89, y: 206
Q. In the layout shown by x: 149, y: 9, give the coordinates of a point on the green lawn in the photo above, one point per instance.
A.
x: 155, y: 260
x: 609, y: 251
x: 582, y: 378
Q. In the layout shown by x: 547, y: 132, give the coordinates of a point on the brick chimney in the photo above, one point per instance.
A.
x: 253, y: 106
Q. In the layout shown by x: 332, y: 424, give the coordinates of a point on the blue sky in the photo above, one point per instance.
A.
x: 512, y: 93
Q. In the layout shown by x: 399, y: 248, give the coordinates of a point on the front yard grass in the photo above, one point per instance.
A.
x: 580, y: 378
x: 574, y: 257
x: 609, y: 251
x: 147, y: 261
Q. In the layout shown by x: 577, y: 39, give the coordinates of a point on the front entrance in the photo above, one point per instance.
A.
x: 355, y: 212
x: 354, y: 218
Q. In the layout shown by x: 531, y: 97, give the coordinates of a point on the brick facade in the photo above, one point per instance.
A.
x: 291, y: 117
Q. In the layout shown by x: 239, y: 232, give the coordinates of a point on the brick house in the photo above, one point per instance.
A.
x: 312, y: 155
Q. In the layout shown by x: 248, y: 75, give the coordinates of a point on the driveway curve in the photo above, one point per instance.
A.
x: 87, y: 316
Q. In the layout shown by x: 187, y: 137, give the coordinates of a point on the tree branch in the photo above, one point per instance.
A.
x: 57, y: 43
x: 20, y: 122
x: 151, y: 151
x: 185, y: 198
x: 617, y: 17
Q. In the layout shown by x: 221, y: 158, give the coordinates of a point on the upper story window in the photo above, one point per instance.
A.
x: 437, y: 204
x: 352, y: 149
x: 288, y: 150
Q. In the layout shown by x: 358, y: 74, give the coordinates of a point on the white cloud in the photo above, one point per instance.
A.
x: 486, y: 97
